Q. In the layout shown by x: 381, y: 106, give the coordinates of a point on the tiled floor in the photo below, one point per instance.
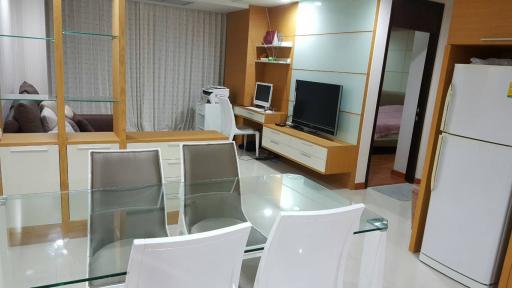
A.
x: 403, y: 269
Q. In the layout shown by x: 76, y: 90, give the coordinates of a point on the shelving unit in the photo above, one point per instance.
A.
x: 283, y: 45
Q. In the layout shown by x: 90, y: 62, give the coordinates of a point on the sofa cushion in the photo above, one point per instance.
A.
x: 28, y: 117
x: 11, y: 125
x: 83, y: 124
x: 68, y: 112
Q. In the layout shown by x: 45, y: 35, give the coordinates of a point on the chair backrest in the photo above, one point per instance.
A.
x: 127, y: 199
x: 227, y: 118
x: 211, y: 259
x: 306, y: 249
x: 209, y: 161
x: 125, y: 168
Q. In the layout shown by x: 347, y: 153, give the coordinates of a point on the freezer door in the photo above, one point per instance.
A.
x: 469, y: 207
x: 479, y: 107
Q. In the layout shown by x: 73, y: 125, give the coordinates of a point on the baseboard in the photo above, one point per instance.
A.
x: 402, y: 175
x: 360, y: 186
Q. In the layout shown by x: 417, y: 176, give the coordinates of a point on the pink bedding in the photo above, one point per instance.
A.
x: 388, y: 121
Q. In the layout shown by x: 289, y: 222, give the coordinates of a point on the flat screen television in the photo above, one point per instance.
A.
x: 317, y: 106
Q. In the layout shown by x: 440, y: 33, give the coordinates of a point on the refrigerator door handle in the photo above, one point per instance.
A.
x: 449, y: 97
x: 436, y: 163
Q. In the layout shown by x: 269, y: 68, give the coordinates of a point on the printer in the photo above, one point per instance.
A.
x: 213, y: 93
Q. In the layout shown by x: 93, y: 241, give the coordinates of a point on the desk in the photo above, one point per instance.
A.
x: 261, y: 117
x: 57, y: 256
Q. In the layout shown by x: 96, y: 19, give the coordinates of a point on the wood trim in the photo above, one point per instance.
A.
x: 61, y: 117
x: 173, y: 136
x: 402, y: 175
x: 506, y: 271
x: 272, y: 117
x: 360, y: 186
x: 353, y: 183
x: 29, y: 139
x: 119, y: 70
x: 92, y: 138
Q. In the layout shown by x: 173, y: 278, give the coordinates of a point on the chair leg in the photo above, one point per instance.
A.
x: 257, y: 136
x: 245, y: 142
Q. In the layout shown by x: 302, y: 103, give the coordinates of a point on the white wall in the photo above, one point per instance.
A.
x: 412, y: 92
x: 374, y: 82
x: 22, y: 59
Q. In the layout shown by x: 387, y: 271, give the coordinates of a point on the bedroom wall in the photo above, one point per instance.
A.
x: 333, y: 45
x: 22, y: 59
x: 412, y: 92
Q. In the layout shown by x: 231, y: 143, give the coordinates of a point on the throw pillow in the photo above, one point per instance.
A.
x: 27, y: 88
x: 48, y: 119
x: 83, y: 124
x: 28, y: 117
x: 68, y: 112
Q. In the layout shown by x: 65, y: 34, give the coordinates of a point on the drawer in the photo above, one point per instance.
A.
x: 309, y: 148
x: 257, y: 117
x: 296, y: 143
x: 277, y: 146
x: 308, y: 159
x: 30, y: 169
x: 171, y: 168
x: 168, y: 150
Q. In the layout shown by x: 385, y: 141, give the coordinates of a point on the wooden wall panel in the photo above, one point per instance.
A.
x: 474, y: 20
x: 237, y: 30
x: 258, y: 25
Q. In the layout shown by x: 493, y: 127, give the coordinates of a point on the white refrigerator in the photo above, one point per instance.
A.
x: 467, y: 227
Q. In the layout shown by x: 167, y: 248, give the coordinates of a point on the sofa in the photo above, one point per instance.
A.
x: 25, y: 117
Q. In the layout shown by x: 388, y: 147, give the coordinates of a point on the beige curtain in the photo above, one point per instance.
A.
x: 171, y: 54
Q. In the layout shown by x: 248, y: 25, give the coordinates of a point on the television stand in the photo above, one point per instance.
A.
x: 321, y: 155
x: 306, y: 130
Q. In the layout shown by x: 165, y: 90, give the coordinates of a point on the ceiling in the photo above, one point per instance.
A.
x: 222, y: 6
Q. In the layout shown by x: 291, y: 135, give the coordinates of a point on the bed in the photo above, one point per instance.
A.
x: 389, y: 119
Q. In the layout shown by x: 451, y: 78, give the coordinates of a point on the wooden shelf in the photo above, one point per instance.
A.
x: 28, y: 139
x: 173, y: 136
x: 92, y: 138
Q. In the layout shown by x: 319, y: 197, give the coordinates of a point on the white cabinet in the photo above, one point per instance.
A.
x: 30, y: 169
x: 171, y: 159
x: 303, y: 152
x: 208, y: 117
x: 27, y: 170
x: 78, y: 176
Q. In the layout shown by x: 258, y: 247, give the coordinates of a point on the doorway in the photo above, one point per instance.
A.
x: 403, y: 94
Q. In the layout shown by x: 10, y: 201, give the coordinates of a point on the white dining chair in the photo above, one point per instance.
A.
x: 210, y: 259
x: 229, y: 128
x: 304, y: 249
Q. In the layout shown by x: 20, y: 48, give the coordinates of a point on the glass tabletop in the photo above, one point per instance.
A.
x: 41, y: 247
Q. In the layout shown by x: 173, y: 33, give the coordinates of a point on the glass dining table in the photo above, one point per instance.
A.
x: 83, y: 238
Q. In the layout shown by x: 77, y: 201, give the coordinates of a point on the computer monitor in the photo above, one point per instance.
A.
x: 263, y: 94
